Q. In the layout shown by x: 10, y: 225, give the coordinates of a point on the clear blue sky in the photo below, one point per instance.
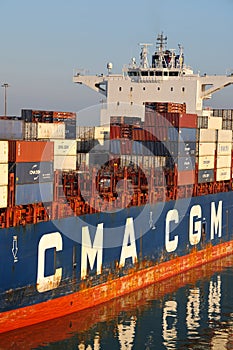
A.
x: 43, y: 42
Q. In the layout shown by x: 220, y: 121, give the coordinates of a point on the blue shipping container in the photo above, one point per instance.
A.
x: 186, y: 163
x: 156, y: 148
x: 187, y: 149
x: 205, y: 176
x: 34, y: 193
x: 35, y: 172
x: 115, y: 146
x: 11, y: 129
x: 70, y: 131
x: 173, y: 134
x: 187, y: 134
x: 137, y: 148
x: 182, y: 134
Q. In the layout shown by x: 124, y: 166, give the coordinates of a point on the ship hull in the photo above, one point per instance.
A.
x: 55, y: 268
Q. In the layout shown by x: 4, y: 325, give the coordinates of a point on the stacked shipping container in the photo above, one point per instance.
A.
x: 32, y: 165
x: 223, y: 164
x: 65, y: 154
x: 179, y: 141
x: 3, y: 173
x: 206, y: 155
x: 49, y: 124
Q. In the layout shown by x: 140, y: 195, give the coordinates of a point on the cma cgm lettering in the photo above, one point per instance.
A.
x: 76, y: 257
x: 93, y: 253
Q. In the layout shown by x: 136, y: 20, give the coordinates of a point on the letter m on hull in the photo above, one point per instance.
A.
x: 91, y: 252
x: 216, y: 220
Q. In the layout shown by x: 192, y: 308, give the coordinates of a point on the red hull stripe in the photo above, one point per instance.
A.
x: 90, y: 297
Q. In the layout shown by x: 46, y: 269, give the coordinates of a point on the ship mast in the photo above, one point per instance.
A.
x: 161, y: 46
x: 144, y: 59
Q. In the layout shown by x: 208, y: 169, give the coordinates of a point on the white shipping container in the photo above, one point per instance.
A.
x: 3, y: 174
x: 215, y: 123
x: 65, y: 162
x: 124, y: 161
x: 207, y: 135
x: 140, y: 161
x: 134, y: 159
x: 206, y: 149
x: 223, y: 174
x: 223, y: 161
x: 146, y: 161
x: 3, y: 151
x: 224, y: 136
x: 50, y: 130
x: 206, y: 162
x: 101, y: 132
x: 30, y: 131
x: 85, y: 132
x: 159, y: 161
x: 223, y: 148
x: 3, y: 196
x: 65, y: 147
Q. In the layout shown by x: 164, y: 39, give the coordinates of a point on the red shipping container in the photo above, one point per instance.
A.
x: 188, y: 120
x: 115, y: 132
x: 64, y: 115
x: 138, y: 134
x: 150, y: 133
x: 31, y: 151
x: 186, y: 177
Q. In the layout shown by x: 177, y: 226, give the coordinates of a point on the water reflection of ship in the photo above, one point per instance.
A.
x: 121, y: 315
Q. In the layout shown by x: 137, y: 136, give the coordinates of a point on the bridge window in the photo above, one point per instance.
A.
x: 159, y: 73
x: 173, y: 74
x: 133, y: 74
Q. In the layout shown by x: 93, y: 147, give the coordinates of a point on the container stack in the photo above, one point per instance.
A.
x: 32, y: 165
x: 48, y: 124
x: 166, y: 107
x: 92, y: 145
x: 85, y: 138
x: 227, y: 117
x: 206, y: 154
x: 176, y: 140
x: 69, y: 120
x: 182, y: 146
x: 64, y: 154
x: 223, y: 164
x: 3, y: 173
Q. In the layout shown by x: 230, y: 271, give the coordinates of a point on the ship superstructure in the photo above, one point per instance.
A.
x: 167, y: 78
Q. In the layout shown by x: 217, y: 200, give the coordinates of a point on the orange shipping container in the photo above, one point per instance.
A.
x: 31, y: 151
x: 186, y: 177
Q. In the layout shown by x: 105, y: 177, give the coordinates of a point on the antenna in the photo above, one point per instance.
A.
x: 161, y: 42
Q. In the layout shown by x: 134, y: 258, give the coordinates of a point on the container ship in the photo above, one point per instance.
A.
x: 91, y: 213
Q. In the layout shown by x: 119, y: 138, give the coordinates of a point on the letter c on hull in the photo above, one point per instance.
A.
x: 45, y: 283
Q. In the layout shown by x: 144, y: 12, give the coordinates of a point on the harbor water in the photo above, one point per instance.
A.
x: 193, y: 310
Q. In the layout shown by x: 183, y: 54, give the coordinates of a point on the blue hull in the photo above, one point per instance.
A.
x: 49, y: 260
